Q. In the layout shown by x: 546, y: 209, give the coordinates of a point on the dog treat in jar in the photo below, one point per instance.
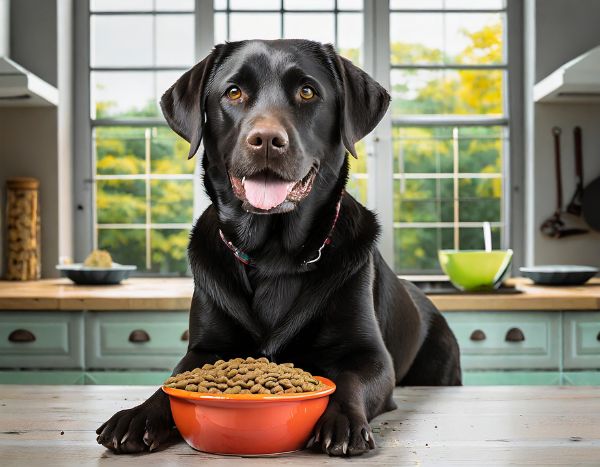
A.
x: 23, y: 249
x: 246, y: 376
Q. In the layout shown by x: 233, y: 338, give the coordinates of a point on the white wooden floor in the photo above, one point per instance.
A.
x: 468, y: 426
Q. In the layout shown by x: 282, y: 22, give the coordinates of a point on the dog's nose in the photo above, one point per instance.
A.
x: 269, y: 137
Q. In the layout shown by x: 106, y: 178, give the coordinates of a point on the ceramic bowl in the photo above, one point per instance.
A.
x: 473, y: 270
x: 248, y: 424
x: 559, y: 274
x: 85, y: 275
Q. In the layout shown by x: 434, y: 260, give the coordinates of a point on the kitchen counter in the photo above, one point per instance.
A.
x: 55, y: 425
x: 175, y: 294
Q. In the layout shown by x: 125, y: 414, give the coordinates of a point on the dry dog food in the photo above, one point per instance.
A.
x: 246, y: 376
x: 98, y: 259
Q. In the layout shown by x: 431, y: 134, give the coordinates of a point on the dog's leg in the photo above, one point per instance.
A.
x: 145, y: 427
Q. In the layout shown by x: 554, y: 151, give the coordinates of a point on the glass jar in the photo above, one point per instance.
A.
x: 23, y: 253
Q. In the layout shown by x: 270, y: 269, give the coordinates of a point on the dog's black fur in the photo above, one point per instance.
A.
x: 347, y: 316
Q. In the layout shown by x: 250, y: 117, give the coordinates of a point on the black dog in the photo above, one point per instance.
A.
x: 284, y: 261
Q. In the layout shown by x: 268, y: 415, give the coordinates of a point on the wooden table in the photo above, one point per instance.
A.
x: 467, y: 426
x: 176, y: 294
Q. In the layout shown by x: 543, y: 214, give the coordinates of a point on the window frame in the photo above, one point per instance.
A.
x: 376, y: 57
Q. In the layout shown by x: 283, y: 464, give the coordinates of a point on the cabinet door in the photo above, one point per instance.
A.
x: 581, y: 340
x: 511, y: 340
x: 150, y: 340
x: 41, y: 339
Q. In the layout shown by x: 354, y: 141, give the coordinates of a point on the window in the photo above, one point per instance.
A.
x: 447, y: 138
x: 144, y: 193
x: 448, y: 74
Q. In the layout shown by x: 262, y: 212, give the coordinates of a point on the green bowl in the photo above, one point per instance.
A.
x: 475, y: 269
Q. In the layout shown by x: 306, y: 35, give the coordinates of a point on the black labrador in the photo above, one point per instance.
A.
x: 284, y: 260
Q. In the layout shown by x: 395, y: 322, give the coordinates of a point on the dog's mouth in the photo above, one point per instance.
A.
x: 266, y: 191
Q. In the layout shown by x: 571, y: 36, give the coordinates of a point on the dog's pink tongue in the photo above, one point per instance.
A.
x: 265, y: 192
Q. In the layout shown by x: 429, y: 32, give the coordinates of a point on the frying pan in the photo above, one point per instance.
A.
x: 591, y: 204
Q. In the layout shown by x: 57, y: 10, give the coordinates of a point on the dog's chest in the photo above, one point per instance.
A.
x: 273, y: 298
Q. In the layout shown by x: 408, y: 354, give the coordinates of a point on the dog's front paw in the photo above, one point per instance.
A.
x: 342, y: 434
x: 142, y: 428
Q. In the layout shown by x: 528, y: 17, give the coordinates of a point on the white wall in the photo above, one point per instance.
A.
x: 563, y: 30
x: 36, y: 142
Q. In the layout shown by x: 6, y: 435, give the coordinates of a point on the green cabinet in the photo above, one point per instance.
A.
x: 135, y: 340
x: 142, y: 347
x: 498, y: 340
x: 581, y: 349
x: 33, y: 339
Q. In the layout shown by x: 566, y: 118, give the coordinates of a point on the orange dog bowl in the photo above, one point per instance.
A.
x: 248, y: 424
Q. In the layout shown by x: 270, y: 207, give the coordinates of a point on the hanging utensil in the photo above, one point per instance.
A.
x: 554, y: 226
x: 574, y: 207
x: 591, y: 204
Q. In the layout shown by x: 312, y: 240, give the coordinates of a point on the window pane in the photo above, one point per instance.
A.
x: 480, y: 200
x: 308, y: 4
x: 220, y: 4
x: 121, y: 201
x: 169, y: 153
x: 358, y: 179
x: 254, y: 4
x: 141, y: 5
x: 120, y: 150
x: 480, y: 150
x: 474, y: 38
x: 423, y: 150
x: 471, y: 238
x: 318, y: 27
x: 447, y: 4
x: 417, y: 248
x: 447, y: 92
x: 126, y: 246
x: 452, y: 38
x: 174, y: 40
x: 476, y: 4
x: 350, y: 36
x: 254, y: 26
x: 416, y: 201
x: 120, y: 5
x: 174, y: 5
x: 220, y: 33
x: 128, y: 94
x: 172, y: 201
x: 416, y: 38
x: 350, y: 4
x: 113, y: 44
x: 169, y: 250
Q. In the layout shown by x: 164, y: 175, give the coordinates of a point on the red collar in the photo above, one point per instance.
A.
x: 247, y: 260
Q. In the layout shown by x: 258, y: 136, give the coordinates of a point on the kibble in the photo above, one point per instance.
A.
x: 246, y: 376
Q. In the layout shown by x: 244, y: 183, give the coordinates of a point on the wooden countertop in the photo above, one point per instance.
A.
x: 55, y: 425
x: 175, y: 294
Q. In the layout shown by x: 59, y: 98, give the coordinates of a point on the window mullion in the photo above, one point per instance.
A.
x: 379, y: 144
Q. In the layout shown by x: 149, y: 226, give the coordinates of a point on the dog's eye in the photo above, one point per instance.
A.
x: 307, y: 93
x: 234, y: 93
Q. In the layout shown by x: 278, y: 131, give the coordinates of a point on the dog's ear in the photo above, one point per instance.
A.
x: 363, y: 103
x: 183, y: 104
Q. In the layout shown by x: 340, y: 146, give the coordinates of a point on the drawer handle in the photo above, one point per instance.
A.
x: 21, y: 335
x: 598, y: 337
x: 514, y: 335
x: 138, y: 336
x: 478, y: 335
x: 186, y: 335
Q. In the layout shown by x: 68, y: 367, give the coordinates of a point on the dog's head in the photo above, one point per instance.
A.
x: 272, y: 114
